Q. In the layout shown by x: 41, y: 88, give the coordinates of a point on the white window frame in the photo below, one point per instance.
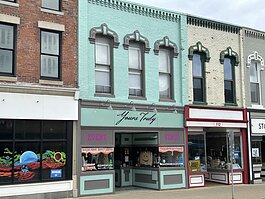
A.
x: 104, y: 67
x: 132, y: 70
x: 168, y: 73
x: 258, y: 67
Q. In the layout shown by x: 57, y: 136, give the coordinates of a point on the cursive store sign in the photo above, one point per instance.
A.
x: 135, y: 118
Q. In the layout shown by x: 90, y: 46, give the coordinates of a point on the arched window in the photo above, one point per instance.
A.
x: 229, y: 59
x: 105, y: 40
x: 166, y: 51
x: 137, y: 45
x: 199, y: 55
x: 255, y: 63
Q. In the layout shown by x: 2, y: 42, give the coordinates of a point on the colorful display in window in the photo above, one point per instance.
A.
x: 171, y: 156
x: 27, y: 164
x: 97, y: 159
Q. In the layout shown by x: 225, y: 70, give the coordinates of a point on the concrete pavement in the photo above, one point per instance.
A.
x: 213, y: 191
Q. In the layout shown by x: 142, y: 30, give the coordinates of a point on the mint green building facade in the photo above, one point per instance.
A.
x: 118, y: 125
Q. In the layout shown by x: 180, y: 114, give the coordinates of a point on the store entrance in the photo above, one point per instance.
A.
x: 209, y: 156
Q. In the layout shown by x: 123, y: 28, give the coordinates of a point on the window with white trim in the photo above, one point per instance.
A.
x: 165, y: 73
x: 50, y: 54
x: 254, y: 83
x: 7, y: 49
x: 103, y: 56
x: 51, y: 4
x: 136, y: 65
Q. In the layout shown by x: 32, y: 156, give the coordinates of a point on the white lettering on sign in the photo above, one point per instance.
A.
x: 258, y: 126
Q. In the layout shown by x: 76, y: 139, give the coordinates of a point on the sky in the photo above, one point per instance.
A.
x: 247, y: 13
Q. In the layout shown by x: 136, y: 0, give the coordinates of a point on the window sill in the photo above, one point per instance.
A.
x: 52, y: 11
x: 9, y: 3
x: 137, y: 97
x: 8, y: 79
x: 51, y: 82
x: 258, y: 106
x: 104, y: 95
x: 200, y: 103
x: 167, y: 100
x: 231, y: 104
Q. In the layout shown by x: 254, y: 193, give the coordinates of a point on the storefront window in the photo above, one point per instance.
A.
x: 36, y: 155
x: 171, y: 156
x: 97, y: 159
x: 218, y: 154
x: 197, y: 156
x: 256, y: 152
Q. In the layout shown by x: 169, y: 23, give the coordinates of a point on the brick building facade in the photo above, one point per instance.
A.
x: 39, y: 97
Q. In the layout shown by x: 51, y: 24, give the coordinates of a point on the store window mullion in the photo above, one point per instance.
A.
x: 41, y: 148
x: 13, y: 151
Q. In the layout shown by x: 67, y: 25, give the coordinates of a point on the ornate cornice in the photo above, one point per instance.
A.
x: 166, y: 43
x: 136, y: 36
x: 137, y: 9
x: 198, y: 47
x: 231, y: 53
x: 255, y: 34
x: 206, y: 23
x: 255, y: 57
x: 104, y: 30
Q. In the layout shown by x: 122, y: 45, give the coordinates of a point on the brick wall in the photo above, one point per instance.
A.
x: 215, y: 41
x: 28, y: 39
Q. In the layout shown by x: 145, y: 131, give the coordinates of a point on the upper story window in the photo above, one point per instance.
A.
x: 51, y: 4
x: 166, y: 51
x: 199, y: 54
x: 7, y: 49
x: 229, y: 80
x: 229, y: 59
x: 136, y: 65
x: 137, y: 45
x: 105, y: 40
x: 165, y: 73
x: 254, y: 83
x: 103, y: 56
x: 50, y: 54
x: 198, y: 76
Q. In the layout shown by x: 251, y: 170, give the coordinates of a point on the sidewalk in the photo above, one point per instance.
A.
x: 249, y: 191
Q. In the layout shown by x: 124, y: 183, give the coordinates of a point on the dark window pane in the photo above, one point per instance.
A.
x: 6, y: 129
x: 6, y: 162
x: 54, y: 160
x: 27, y: 167
x: 254, y: 87
x: 198, y: 89
x: 27, y: 129
x: 229, y: 92
x: 228, y: 73
x: 54, y: 130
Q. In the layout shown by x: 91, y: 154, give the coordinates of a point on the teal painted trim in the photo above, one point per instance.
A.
x: 126, y: 183
x: 138, y: 9
x: 172, y: 186
x: 104, y: 117
x: 154, y: 24
x: 142, y: 184
x: 96, y: 191
x: 183, y: 28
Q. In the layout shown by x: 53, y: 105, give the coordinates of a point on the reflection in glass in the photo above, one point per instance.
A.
x: 197, y: 156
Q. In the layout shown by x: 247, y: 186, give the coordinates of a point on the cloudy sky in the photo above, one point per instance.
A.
x: 249, y: 13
